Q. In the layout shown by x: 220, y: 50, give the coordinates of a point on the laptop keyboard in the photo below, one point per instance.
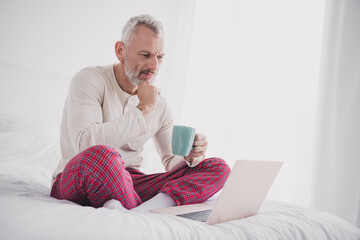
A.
x: 201, y: 216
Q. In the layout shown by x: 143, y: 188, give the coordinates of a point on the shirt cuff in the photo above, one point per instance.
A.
x: 195, y: 161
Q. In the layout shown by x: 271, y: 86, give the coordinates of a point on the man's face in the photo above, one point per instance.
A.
x: 143, y: 56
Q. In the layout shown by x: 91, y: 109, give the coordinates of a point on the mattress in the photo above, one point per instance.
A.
x: 28, y: 157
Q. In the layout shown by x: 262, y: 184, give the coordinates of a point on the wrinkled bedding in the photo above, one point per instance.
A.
x: 29, y: 155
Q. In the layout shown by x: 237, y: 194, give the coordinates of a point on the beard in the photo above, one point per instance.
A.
x: 133, y: 75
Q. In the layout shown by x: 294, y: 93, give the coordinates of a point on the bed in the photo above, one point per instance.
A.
x: 28, y: 156
x: 29, y: 153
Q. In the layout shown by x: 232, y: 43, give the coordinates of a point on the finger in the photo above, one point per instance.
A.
x: 200, y: 136
x: 199, y: 149
x: 157, y: 90
x: 199, y: 154
x: 200, y: 143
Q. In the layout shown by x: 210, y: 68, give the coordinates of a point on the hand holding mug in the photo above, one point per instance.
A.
x: 199, y: 147
x: 188, y: 144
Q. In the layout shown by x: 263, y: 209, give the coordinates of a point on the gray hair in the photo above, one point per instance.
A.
x: 141, y: 20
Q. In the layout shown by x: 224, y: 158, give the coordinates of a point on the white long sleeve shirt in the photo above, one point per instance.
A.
x: 98, y: 111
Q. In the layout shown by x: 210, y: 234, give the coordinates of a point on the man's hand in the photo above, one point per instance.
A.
x: 148, y: 96
x: 199, y: 147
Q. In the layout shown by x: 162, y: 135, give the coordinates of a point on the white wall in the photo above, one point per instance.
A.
x: 58, y: 38
x: 65, y: 36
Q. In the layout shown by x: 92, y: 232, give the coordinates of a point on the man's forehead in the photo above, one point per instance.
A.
x: 146, y: 39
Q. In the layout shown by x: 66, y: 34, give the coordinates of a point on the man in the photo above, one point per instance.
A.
x: 109, y: 114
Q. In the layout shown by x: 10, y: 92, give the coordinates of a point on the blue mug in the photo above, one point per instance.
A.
x: 182, y: 140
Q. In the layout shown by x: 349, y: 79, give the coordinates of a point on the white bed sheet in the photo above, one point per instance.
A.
x: 28, y: 156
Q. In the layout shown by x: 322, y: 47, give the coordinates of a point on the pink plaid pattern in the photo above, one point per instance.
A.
x: 98, y: 174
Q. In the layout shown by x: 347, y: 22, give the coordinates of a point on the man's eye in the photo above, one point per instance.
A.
x: 160, y: 57
x: 146, y: 55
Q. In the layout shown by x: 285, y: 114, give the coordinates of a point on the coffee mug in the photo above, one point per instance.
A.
x: 182, y: 140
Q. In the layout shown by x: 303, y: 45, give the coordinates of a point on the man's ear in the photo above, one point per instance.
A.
x: 120, y: 50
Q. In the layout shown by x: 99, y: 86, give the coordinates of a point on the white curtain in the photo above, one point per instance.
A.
x: 251, y: 85
x: 337, y: 178
x: 255, y: 88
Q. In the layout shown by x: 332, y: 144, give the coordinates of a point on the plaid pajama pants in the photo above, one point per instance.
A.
x: 98, y: 174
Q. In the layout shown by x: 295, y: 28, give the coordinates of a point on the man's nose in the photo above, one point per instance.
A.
x: 153, y: 63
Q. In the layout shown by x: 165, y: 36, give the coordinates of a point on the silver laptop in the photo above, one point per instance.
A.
x: 242, y: 195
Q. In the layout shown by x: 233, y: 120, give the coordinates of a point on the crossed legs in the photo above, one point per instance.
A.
x: 98, y: 174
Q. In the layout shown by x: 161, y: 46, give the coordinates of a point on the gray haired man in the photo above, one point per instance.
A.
x: 109, y: 114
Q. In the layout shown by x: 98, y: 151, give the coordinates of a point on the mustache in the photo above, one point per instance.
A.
x: 147, y: 71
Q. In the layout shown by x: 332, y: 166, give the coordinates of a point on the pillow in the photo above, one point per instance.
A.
x: 28, y: 152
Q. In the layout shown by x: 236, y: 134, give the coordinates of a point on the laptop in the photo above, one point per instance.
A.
x: 242, y: 195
